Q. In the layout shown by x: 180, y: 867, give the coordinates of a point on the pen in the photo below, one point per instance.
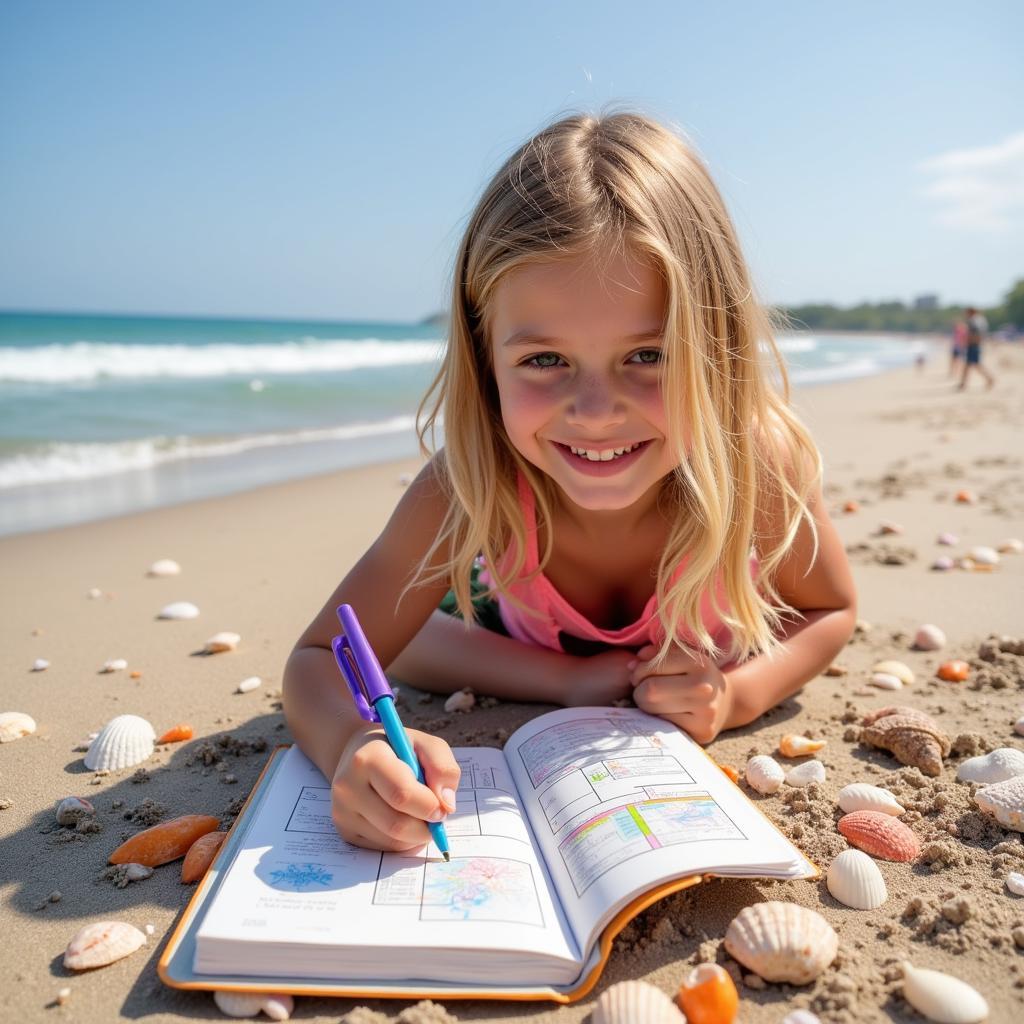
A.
x: 375, y: 700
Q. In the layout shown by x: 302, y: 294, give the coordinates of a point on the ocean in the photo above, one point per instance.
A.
x: 103, y: 415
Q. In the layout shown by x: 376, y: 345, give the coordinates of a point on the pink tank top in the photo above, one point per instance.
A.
x: 547, y: 613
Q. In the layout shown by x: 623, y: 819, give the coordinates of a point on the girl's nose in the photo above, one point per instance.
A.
x: 596, y: 402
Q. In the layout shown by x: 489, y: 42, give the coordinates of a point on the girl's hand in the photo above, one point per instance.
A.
x: 376, y: 800
x: 685, y: 690
x: 599, y: 680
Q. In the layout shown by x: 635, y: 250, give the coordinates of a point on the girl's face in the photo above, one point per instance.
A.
x: 576, y: 348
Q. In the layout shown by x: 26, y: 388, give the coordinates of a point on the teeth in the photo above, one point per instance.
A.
x: 604, y: 455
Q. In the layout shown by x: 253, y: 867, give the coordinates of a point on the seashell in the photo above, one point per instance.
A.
x: 851, y: 506
x: 164, y: 842
x: 881, y: 835
x: 629, y: 1002
x: 798, y: 746
x: 122, y: 742
x: 941, y: 997
x: 860, y: 796
x: 1015, y: 883
x: 929, y: 638
x: 997, y: 766
x: 278, y: 1005
x: 708, y: 996
x: 782, y: 942
x: 887, y: 529
x: 164, y: 567
x: 72, y: 809
x: 968, y: 564
x: 943, y: 564
x: 14, y: 725
x: 984, y: 556
x: 966, y: 497
x: 1011, y: 546
x: 801, y: 1017
x: 854, y: 879
x: 806, y: 773
x: 200, y: 856
x: 1005, y: 801
x: 179, y: 610
x: 947, y: 539
x: 247, y: 685
x: 221, y: 642
x: 101, y: 943
x: 40, y: 665
x: 912, y: 736
x: 114, y: 665
x: 136, y: 873
x: 176, y: 734
x: 895, y: 668
x: 764, y: 774
x: 239, y: 1004
x: 461, y: 700
x: 885, y: 681
x: 94, y: 593
x: 1018, y: 726
x: 953, y: 671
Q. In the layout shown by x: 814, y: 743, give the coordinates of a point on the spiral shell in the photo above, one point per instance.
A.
x: 854, y: 879
x: 764, y: 774
x: 997, y: 766
x: 179, y: 610
x: 1005, y: 802
x: 912, y: 736
x: 881, y: 835
x: 806, y: 773
x: 799, y: 746
x: 630, y: 1002
x: 860, y: 796
x: 122, y: 742
x: 101, y: 943
x: 941, y: 997
x: 14, y: 725
x: 782, y: 942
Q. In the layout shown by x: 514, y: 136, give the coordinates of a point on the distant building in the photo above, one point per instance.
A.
x: 926, y: 302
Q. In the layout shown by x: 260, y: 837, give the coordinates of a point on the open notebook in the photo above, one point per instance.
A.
x: 583, y: 819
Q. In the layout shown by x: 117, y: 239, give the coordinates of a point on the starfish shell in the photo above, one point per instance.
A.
x: 912, y: 736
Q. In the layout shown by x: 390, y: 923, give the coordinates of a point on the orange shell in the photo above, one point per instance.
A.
x: 792, y: 745
x: 730, y: 771
x: 164, y: 842
x: 135, y: 674
x: 880, y: 835
x: 851, y: 506
x: 176, y: 734
x: 200, y: 856
x: 954, y: 671
x: 966, y: 497
x: 708, y: 996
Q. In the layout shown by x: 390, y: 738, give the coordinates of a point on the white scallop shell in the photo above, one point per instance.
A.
x: 1015, y: 883
x: 806, y: 773
x: 854, y: 879
x: 101, y: 943
x: 984, y: 555
x: 72, y: 809
x: 929, y: 638
x: 860, y: 796
x: 14, y: 725
x: 884, y: 681
x: 630, y: 1002
x: 1011, y: 546
x: 782, y: 941
x: 164, y: 567
x: 220, y: 642
x: 246, y: 685
x: 941, y: 997
x: 122, y: 742
x: 895, y: 668
x: 461, y: 700
x: 114, y: 665
x: 801, y: 1017
x: 764, y: 774
x: 40, y: 665
x: 179, y: 610
x: 1005, y: 801
x: 996, y: 766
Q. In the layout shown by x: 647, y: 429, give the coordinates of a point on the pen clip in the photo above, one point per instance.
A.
x: 350, y: 670
x: 359, y: 665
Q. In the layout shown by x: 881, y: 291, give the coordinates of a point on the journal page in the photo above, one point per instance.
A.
x: 295, y: 881
x: 621, y: 800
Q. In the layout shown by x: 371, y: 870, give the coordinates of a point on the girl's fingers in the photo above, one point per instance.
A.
x: 440, y: 769
x: 396, y: 804
x: 678, y: 662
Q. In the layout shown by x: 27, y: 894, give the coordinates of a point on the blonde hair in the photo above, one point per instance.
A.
x: 581, y: 187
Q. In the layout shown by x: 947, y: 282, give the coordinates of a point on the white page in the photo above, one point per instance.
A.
x: 620, y: 800
x: 295, y: 881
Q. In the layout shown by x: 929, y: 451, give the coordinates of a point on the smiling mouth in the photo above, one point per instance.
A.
x: 602, y: 454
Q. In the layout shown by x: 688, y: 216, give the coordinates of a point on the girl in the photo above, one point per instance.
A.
x: 620, y: 479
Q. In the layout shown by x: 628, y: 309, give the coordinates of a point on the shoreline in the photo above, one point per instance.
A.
x: 262, y: 562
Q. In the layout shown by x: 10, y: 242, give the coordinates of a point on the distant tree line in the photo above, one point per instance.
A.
x: 897, y: 316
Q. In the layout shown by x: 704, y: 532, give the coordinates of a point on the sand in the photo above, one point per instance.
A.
x: 261, y: 563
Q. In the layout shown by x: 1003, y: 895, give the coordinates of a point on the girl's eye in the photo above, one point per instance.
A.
x: 544, y: 360
x: 647, y: 356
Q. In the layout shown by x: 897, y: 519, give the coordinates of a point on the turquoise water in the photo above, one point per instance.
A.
x: 101, y: 415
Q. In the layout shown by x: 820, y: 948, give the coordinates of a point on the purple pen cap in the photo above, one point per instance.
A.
x: 359, y: 665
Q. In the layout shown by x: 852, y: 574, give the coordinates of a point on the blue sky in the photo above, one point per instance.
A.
x: 320, y: 159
